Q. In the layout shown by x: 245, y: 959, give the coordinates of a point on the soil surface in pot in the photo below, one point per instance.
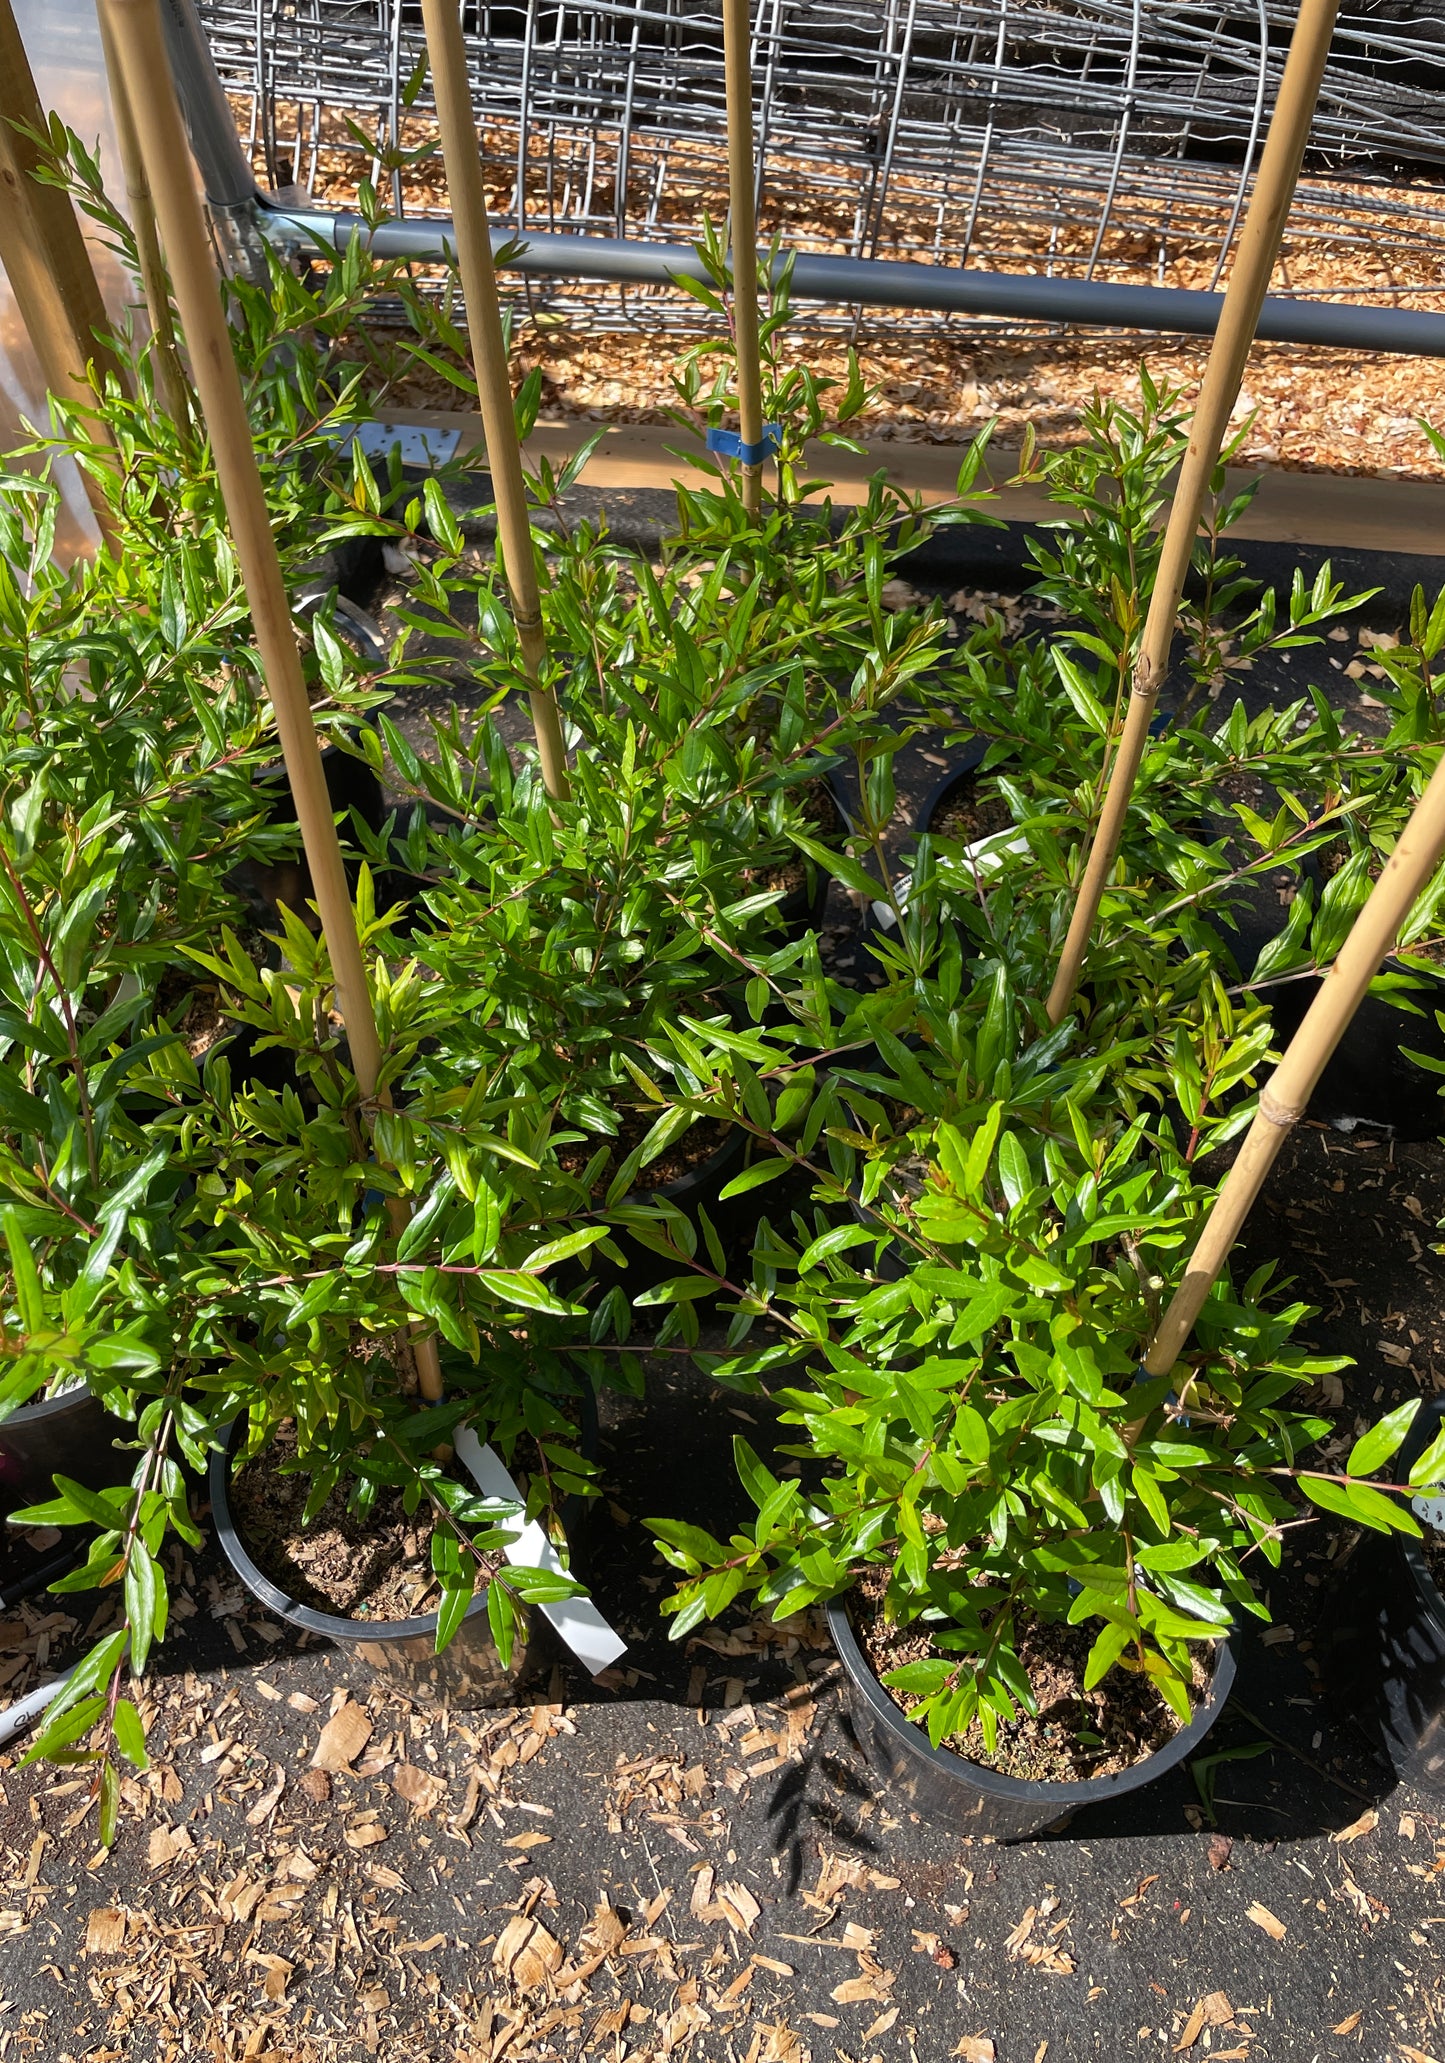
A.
x: 685, y: 1156
x: 378, y: 1567
x: 1078, y: 1734
x: 973, y: 812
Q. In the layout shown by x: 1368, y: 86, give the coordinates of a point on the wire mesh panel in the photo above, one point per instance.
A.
x: 1103, y: 138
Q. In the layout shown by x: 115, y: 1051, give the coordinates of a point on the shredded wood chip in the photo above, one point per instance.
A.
x: 1365, y: 1824
x: 526, y: 1952
x: 265, y: 1805
x: 854, y: 1990
x: 740, y: 1909
x: 1349, y: 2024
x: 1263, y: 1917
x: 343, y: 1737
x: 418, y: 1787
x: 366, y: 1835
x: 105, y: 1931
x: 166, y: 1844
x: 976, y: 2048
x: 1213, y: 2011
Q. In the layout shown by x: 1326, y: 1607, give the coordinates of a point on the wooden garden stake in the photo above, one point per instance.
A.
x: 461, y: 150
x: 1249, y: 278
x: 136, y: 37
x: 1284, y: 1098
x: 743, y: 236
x: 172, y: 388
x: 45, y: 259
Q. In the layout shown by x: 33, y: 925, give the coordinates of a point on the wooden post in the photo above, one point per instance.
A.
x: 46, y: 261
x: 461, y: 150
x: 136, y: 34
x: 1248, y: 282
x: 743, y: 236
x: 172, y: 387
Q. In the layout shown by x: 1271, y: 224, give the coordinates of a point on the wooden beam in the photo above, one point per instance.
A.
x: 45, y: 257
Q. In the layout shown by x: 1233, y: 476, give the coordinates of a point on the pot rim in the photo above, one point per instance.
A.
x: 733, y: 1145
x: 1432, y: 1599
x: 331, y: 1625
x: 37, y: 1408
x: 1058, y: 1798
x: 964, y: 768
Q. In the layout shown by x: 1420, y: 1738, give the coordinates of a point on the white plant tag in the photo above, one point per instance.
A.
x: 595, y: 1644
x: 987, y: 855
x: 1429, y: 1505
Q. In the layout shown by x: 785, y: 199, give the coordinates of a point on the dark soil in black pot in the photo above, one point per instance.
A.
x: 967, y: 1796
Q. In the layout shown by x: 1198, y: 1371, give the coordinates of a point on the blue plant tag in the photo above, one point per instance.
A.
x: 729, y: 444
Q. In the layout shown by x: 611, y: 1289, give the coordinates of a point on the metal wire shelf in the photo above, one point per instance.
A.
x: 1109, y: 139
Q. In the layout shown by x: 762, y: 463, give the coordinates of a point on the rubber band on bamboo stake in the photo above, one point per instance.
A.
x: 136, y: 32
x: 1279, y: 168
x: 461, y: 153
x: 1286, y: 1096
x: 743, y: 239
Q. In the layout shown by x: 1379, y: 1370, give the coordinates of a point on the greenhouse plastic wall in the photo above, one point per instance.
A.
x: 1109, y: 139
x: 63, y: 44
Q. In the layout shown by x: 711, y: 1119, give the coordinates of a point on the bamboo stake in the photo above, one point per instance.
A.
x: 173, y: 389
x: 461, y: 150
x: 1287, y: 1093
x: 45, y: 259
x: 136, y: 32
x: 743, y: 237
x: 1249, y: 278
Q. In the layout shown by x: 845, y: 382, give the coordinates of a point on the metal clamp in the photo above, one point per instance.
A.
x: 729, y: 444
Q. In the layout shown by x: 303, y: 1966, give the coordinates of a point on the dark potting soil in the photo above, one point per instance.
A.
x: 1077, y: 1733
x: 974, y: 812
x: 378, y: 1567
x: 685, y: 1156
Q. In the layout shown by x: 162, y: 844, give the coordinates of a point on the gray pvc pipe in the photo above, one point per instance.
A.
x: 867, y: 282
x: 880, y: 283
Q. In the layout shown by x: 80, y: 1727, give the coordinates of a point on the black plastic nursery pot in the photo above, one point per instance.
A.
x: 468, y: 1673
x: 71, y: 1434
x: 945, y: 795
x: 1369, y: 1078
x: 966, y: 1798
x: 1386, y: 1659
x: 700, y: 1187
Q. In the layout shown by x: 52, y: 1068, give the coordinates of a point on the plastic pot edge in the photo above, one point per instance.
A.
x: 1053, y: 1802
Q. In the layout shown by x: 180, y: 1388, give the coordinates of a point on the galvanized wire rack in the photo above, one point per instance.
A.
x: 1109, y: 139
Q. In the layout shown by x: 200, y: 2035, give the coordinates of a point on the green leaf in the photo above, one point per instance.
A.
x: 502, y: 1618
x: 1108, y: 1646
x: 455, y: 1604
x: 130, y: 1734
x: 1357, y: 1501
x: 920, y: 1679
x: 1380, y: 1442
x: 29, y: 1296
x: 754, y: 1177
x: 1013, y: 1168
x: 144, y: 1601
